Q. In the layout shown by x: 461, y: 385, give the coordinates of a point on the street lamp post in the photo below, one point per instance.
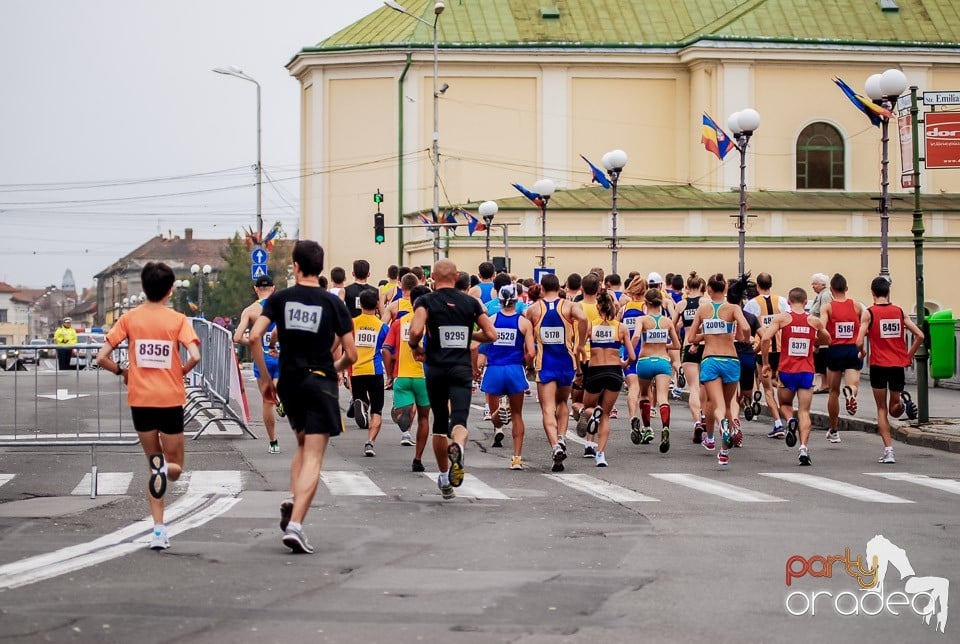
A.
x: 743, y: 124
x: 922, y: 356
x: 545, y: 188
x: 487, y: 210
x: 180, y: 286
x: 201, y: 275
x: 614, y: 162
x: 884, y: 89
x: 438, y: 8
x: 233, y: 70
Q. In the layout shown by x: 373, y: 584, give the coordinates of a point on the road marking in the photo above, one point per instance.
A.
x: 62, y: 394
x: 574, y: 438
x: 841, y: 488
x: 6, y: 478
x: 599, y: 488
x: 946, y: 485
x: 188, y: 512
x: 108, y: 483
x: 210, y: 482
x: 472, y: 487
x: 724, y: 490
x: 350, y: 484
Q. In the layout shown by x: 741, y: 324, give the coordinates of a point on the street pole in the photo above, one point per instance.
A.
x: 259, y: 174
x: 884, y: 194
x: 614, y: 212
x: 742, y: 143
x: 922, y: 356
x: 488, y: 242
x: 436, y: 138
x: 506, y: 246
x: 543, y: 233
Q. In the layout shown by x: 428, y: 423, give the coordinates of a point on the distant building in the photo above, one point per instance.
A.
x: 13, y: 316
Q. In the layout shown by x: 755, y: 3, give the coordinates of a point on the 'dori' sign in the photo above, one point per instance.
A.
x: 942, y: 137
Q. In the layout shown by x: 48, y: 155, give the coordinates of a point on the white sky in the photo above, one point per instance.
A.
x: 103, y: 91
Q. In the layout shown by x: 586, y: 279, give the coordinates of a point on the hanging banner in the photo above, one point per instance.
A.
x: 906, y: 151
x: 942, y: 139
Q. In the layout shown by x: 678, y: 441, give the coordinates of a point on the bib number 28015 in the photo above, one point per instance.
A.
x: 454, y: 337
x: 154, y: 354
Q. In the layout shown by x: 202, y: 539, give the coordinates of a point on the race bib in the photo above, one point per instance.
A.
x: 689, y: 314
x: 405, y: 332
x: 302, y: 317
x: 630, y: 323
x: 356, y: 304
x: 714, y: 326
x: 551, y: 335
x: 843, y: 330
x: 890, y: 329
x: 602, y: 334
x: 154, y: 354
x: 366, y: 338
x: 799, y: 347
x: 766, y: 320
x: 506, y: 337
x: 657, y: 336
x: 454, y: 337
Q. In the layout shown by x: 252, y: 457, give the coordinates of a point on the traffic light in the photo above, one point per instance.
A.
x: 379, y: 234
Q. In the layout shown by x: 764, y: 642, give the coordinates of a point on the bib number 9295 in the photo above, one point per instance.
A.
x: 454, y: 337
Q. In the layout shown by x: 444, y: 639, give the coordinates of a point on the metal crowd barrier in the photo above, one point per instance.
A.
x: 209, y: 383
x: 44, y: 406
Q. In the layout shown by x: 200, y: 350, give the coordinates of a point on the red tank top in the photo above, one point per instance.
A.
x: 844, y: 323
x: 797, y: 344
x: 888, y: 345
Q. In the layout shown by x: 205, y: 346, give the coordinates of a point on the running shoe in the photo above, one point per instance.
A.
x: 575, y: 413
x: 737, y: 433
x: 504, y: 413
x: 909, y: 406
x: 646, y: 436
x: 158, y: 475
x: 368, y: 449
x: 833, y: 436
x: 791, y: 438
x: 562, y: 442
x: 417, y: 466
x: 664, y: 440
x: 698, y: 433
x: 747, y: 409
x: 776, y: 432
x: 593, y: 421
x: 361, y: 414
x: 803, y: 457
x: 676, y: 393
x: 635, y: 430
x: 723, y: 459
x: 887, y: 456
x: 406, y: 439
x: 486, y: 414
x: 589, y: 451
x: 455, y: 453
x: 726, y: 434
x: 614, y: 414
x: 559, y: 455
x: 286, y: 511
x: 350, y: 413
x: 583, y: 424
x: 273, y: 447
x: 446, y: 491
x: 681, y: 379
x: 297, y: 541
x: 281, y: 412
x: 601, y: 459
x: 850, y: 400
x: 516, y: 462
x: 709, y: 444
x: 160, y: 540
x: 498, y: 438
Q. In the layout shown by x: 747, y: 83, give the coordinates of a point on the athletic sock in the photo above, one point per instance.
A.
x: 665, y: 414
x: 444, y: 479
x: 159, y: 528
x: 778, y: 424
x: 645, y: 412
x: 294, y: 525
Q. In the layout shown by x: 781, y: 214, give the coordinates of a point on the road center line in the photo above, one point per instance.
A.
x: 346, y: 483
x: 717, y: 488
x: 840, y: 488
x: 599, y: 488
x: 946, y: 485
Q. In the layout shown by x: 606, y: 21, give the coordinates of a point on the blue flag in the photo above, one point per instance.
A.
x: 598, y: 176
x: 874, y: 112
x: 451, y: 218
x: 532, y: 196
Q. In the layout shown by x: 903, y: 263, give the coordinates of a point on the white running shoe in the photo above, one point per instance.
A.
x: 833, y: 436
x: 406, y: 439
x: 887, y: 457
x: 601, y: 459
x: 160, y: 541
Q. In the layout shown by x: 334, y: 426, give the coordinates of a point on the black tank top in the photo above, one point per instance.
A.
x: 690, y: 311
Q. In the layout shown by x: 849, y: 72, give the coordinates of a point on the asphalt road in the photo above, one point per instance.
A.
x: 623, y: 554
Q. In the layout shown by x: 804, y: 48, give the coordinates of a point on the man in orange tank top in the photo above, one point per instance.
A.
x: 884, y: 324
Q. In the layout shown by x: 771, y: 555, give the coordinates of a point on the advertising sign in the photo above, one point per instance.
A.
x: 906, y: 151
x: 942, y: 136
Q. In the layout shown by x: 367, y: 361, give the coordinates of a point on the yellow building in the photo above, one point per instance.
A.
x: 532, y: 85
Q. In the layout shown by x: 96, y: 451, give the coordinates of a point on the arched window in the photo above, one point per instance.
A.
x: 820, y: 158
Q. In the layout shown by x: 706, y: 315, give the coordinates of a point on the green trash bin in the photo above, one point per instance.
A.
x: 943, y: 344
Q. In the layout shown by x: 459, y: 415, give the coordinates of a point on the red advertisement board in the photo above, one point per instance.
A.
x: 942, y: 139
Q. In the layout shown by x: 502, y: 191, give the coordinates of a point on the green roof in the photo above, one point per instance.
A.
x: 669, y: 197
x: 653, y: 24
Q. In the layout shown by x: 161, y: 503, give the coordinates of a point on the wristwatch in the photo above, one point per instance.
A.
x: 120, y: 371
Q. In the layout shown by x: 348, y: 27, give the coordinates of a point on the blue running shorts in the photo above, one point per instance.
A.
x: 649, y: 367
x: 726, y: 368
x: 504, y: 380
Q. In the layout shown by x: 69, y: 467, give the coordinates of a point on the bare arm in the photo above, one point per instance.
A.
x: 105, y: 361
x: 485, y: 332
x: 529, y: 348
x: 246, y: 320
x: 865, y: 320
x: 349, y: 352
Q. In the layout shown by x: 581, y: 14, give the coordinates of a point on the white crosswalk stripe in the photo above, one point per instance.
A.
x: 210, y: 482
x: 946, y: 485
x: 599, y: 488
x: 473, y: 487
x: 717, y: 488
x: 841, y: 488
x: 350, y: 484
x: 108, y: 484
x: 6, y: 478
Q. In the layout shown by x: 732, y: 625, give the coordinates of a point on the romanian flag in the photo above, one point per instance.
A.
x: 714, y: 139
x: 529, y: 194
x: 428, y: 221
x: 473, y: 224
x: 193, y: 306
x: 598, y: 176
x: 874, y: 112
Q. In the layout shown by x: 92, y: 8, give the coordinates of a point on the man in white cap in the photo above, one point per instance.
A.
x: 65, y: 335
x: 819, y: 282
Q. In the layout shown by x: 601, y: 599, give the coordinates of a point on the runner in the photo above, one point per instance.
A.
x: 637, y: 397
x: 447, y: 317
x: 747, y: 355
x: 605, y: 379
x: 884, y: 324
x: 402, y: 306
x: 154, y: 379
x: 658, y: 337
x: 841, y: 317
x: 388, y: 290
x: 338, y: 278
x: 692, y: 353
x: 361, y: 271
x: 715, y: 324
x: 366, y: 374
x: 505, y: 373
x: 410, y: 385
x: 590, y: 286
x: 263, y: 287
x: 309, y: 321
x: 819, y: 283
x: 765, y: 305
x: 799, y: 334
x: 560, y: 330
x: 572, y: 287
x: 484, y: 290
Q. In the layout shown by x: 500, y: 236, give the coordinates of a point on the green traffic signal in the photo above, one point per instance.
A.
x: 379, y: 232
x: 377, y: 197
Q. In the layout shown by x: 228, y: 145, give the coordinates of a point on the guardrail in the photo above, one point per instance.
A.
x: 209, y: 389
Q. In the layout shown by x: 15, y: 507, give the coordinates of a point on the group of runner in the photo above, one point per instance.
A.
x: 581, y: 342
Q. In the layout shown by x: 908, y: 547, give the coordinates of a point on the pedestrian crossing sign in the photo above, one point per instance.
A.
x: 257, y: 271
